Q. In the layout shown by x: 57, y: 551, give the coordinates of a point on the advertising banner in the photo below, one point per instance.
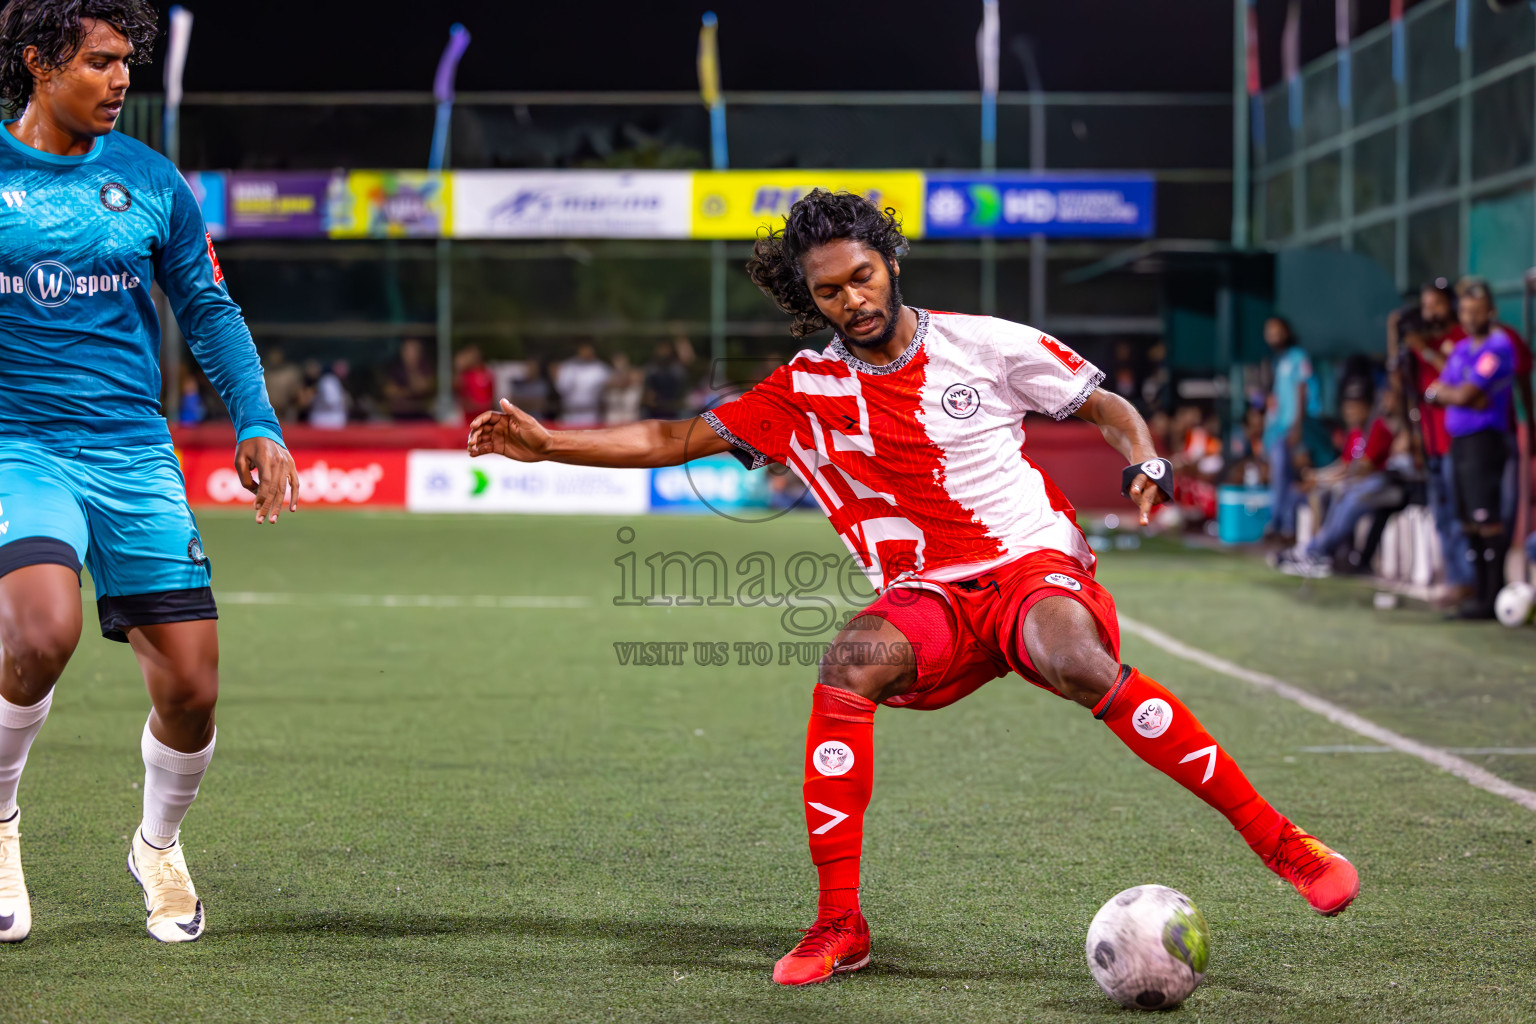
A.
x: 572, y: 204
x: 716, y: 484
x: 447, y: 481
x: 1019, y: 205
x: 736, y: 204
x: 391, y: 204
x: 344, y: 478
x: 208, y: 188
x: 279, y: 204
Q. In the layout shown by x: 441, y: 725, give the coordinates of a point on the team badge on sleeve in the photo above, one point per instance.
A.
x: 213, y: 257
x: 1064, y: 355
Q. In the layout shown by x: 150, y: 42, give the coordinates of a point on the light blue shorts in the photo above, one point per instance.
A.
x: 120, y: 512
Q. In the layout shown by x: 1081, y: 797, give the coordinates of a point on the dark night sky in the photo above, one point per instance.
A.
x: 283, y: 45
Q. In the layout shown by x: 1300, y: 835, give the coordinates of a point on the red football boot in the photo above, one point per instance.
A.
x: 1326, y: 879
x: 833, y: 945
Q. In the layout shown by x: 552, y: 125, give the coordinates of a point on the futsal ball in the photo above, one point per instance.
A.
x: 1148, y: 947
x: 1515, y: 604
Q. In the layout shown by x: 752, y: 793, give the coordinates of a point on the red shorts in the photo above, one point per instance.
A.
x: 969, y: 633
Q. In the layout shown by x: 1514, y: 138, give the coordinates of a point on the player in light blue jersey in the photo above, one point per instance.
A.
x: 89, y: 219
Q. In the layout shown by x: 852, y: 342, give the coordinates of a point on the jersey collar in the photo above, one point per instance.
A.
x: 51, y: 158
x: 858, y: 365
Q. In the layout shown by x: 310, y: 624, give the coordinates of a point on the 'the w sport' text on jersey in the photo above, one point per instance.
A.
x: 82, y: 238
x: 920, y: 463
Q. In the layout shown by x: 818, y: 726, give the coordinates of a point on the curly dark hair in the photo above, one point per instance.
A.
x: 817, y: 218
x: 53, y: 26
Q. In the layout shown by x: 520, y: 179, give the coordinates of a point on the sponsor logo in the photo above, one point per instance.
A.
x: 1064, y: 355
x: 1153, y: 718
x: 1210, y: 766
x: 115, y: 197
x: 1487, y: 364
x: 1153, y: 468
x: 961, y: 401
x: 195, y: 551
x: 13, y: 199
x: 946, y: 206
x: 1061, y: 579
x: 317, y: 483
x: 832, y: 758
x: 213, y: 257
x: 50, y: 283
x: 838, y: 817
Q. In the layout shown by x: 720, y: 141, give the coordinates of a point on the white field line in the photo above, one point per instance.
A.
x: 1348, y: 748
x: 1442, y: 759
x: 402, y: 600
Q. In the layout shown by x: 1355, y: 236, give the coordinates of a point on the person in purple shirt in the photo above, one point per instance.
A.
x: 1477, y: 388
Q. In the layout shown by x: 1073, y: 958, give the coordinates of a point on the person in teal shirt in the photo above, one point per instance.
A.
x: 1292, y: 403
x: 90, y: 220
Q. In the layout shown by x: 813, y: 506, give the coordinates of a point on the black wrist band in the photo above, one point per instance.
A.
x: 1159, y: 471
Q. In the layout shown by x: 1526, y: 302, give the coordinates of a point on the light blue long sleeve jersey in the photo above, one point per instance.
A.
x: 81, y: 240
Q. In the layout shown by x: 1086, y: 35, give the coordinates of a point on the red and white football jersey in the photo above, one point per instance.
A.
x: 920, y: 463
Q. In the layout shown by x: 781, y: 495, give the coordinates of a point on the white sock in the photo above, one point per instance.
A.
x: 171, y: 779
x: 19, y: 726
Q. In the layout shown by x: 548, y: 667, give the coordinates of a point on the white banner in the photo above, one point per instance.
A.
x: 447, y: 481
x: 572, y: 204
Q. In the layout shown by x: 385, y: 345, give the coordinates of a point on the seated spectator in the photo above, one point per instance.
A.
x: 1360, y: 482
x: 621, y: 397
x: 1477, y: 388
x: 580, y: 383
x: 666, y: 379
x: 411, y: 384
x: 331, y: 404
x: 285, y: 385
x: 473, y: 385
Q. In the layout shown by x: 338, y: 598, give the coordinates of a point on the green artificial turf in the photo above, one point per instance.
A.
x: 470, y: 812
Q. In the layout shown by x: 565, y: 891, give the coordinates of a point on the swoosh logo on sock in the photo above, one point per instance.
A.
x: 195, y: 925
x: 6, y: 921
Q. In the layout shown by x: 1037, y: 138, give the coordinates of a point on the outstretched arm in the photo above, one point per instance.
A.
x: 646, y: 444
x: 1127, y: 433
x: 186, y: 268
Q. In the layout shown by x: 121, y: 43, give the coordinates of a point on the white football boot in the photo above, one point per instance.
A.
x: 173, y: 913
x: 15, y: 907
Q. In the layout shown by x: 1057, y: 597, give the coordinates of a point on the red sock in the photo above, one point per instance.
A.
x: 1160, y: 730
x: 839, y: 774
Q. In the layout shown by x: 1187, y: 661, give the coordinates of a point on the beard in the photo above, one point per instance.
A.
x: 892, y: 313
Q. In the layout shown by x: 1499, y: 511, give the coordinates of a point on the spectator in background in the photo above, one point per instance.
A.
x: 411, y: 385
x: 1418, y: 345
x: 285, y: 385
x: 666, y: 379
x: 621, y: 397
x: 1358, y: 482
x: 1476, y: 386
x: 331, y: 404
x: 473, y: 385
x: 580, y: 383
x: 190, y: 409
x: 1293, y: 400
x: 532, y: 391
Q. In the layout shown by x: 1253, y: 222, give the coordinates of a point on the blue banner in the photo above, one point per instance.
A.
x: 1020, y: 205
x: 717, y: 484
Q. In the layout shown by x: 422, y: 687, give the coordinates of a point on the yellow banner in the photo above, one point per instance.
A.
x: 392, y: 204
x: 736, y: 204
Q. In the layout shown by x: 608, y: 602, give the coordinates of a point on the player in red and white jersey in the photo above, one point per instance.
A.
x: 909, y: 430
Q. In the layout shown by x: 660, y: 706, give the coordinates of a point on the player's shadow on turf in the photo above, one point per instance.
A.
x: 680, y: 944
